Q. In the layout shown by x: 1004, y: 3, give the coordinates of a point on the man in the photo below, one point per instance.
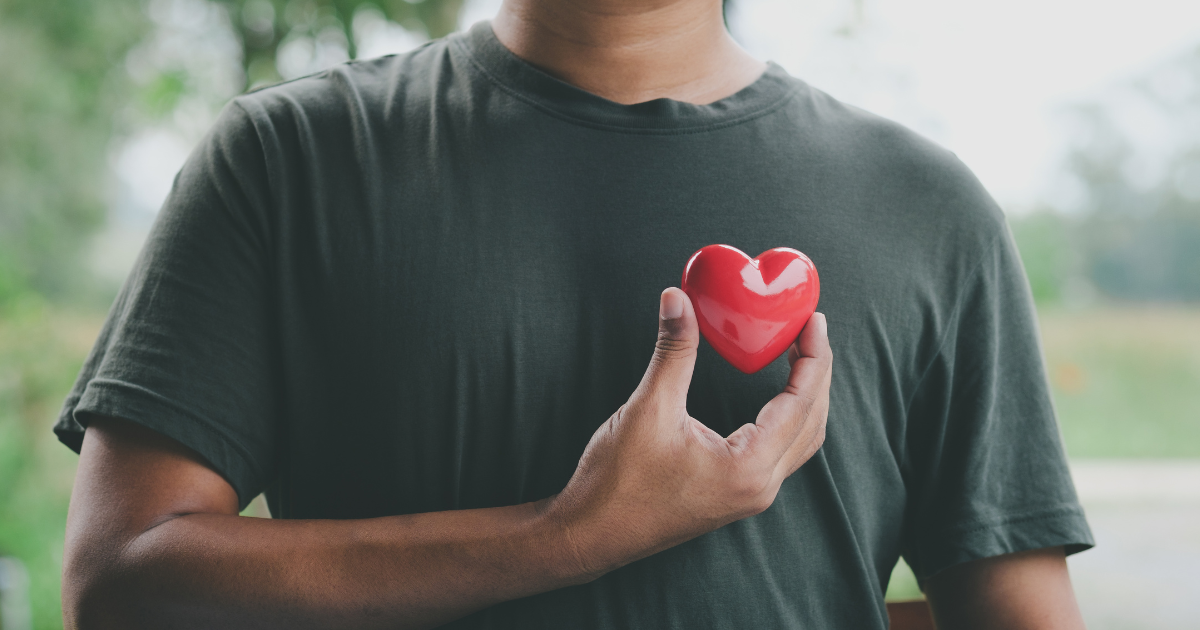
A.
x: 410, y: 298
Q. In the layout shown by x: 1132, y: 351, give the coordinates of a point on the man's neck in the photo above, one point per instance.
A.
x: 630, y: 51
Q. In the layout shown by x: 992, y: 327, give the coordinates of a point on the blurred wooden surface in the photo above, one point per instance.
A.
x: 910, y: 615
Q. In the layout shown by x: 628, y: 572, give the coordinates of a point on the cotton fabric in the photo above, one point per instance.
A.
x: 421, y: 282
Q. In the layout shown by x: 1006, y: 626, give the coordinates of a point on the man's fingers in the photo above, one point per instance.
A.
x: 811, y: 360
x: 806, y: 444
x: 813, y: 342
x: 798, y: 413
x: 670, y: 372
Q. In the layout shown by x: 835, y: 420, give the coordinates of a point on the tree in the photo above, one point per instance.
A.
x: 57, y: 60
x: 63, y: 67
x: 1138, y: 159
x: 1134, y: 234
x: 265, y: 25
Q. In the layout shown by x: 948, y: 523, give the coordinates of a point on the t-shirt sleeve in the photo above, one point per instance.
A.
x: 188, y: 347
x: 987, y: 474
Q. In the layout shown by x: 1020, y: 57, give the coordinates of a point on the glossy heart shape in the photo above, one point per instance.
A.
x: 751, y: 309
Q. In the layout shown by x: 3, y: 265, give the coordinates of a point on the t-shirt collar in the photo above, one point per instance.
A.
x: 564, y: 100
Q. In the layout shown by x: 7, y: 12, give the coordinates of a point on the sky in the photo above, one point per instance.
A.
x: 991, y: 81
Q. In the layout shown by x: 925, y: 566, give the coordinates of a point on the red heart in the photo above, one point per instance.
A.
x: 751, y: 309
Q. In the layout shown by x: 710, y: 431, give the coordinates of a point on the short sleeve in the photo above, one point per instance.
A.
x: 188, y: 347
x: 986, y: 471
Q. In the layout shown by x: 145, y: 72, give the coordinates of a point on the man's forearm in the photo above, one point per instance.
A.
x: 214, y: 570
x: 154, y: 539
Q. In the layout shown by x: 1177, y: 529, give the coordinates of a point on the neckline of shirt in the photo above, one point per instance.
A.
x: 565, y: 101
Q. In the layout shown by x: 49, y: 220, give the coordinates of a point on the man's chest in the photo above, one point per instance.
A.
x: 476, y: 325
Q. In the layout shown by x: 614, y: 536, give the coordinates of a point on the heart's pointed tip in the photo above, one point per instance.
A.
x: 753, y: 368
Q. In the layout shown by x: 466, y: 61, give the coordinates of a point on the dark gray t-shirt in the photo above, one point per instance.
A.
x: 421, y: 282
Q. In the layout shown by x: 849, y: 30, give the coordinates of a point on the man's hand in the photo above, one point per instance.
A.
x: 154, y: 539
x: 653, y: 476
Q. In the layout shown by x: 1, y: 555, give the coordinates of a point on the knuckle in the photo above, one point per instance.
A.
x: 752, y: 490
x: 813, y: 446
x: 673, y: 328
x: 668, y: 344
x: 746, y: 491
x: 761, y: 502
x: 824, y: 358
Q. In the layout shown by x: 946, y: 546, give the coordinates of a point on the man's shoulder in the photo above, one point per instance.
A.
x: 902, y: 172
x: 375, y: 88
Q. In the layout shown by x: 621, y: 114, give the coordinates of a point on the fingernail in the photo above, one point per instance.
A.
x: 671, y: 305
x: 822, y: 325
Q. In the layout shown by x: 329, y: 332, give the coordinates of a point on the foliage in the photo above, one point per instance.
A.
x: 903, y: 584
x: 74, y: 70
x: 63, y: 64
x: 264, y: 26
x: 1135, y: 233
x: 1126, y: 380
x: 1045, y: 239
x: 41, y: 350
x: 59, y: 65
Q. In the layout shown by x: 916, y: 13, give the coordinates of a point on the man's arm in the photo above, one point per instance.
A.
x: 1030, y: 590
x: 154, y: 538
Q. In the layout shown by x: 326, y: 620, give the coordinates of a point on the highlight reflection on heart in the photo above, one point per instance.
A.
x: 751, y: 309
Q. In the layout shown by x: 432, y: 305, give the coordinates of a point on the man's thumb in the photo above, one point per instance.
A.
x: 670, y: 371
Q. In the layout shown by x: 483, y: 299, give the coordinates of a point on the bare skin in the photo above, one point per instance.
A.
x: 630, y: 51
x: 153, y: 535
x: 154, y: 538
x: 1018, y: 591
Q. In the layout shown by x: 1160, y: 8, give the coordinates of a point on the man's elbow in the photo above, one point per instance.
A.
x: 97, y: 591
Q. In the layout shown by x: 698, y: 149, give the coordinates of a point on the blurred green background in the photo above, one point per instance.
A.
x: 1116, y: 275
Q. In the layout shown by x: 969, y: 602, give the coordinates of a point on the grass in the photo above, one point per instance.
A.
x: 1126, y: 383
x: 903, y: 584
x: 41, y: 350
